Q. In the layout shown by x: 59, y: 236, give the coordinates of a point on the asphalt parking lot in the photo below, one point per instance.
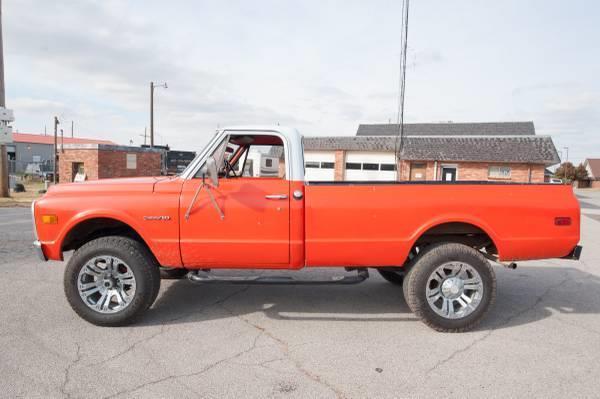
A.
x: 541, y: 339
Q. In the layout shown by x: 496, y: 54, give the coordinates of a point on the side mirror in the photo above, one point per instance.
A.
x: 210, y: 170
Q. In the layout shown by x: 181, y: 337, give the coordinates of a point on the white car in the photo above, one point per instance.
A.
x: 555, y: 180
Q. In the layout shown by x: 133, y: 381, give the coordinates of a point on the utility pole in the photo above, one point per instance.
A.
x: 72, y: 128
x: 56, y: 122
x: 152, y: 86
x: 62, y: 141
x: 144, y: 135
x: 401, y: 88
x: 151, y: 115
x: 567, y: 152
x: 4, y: 189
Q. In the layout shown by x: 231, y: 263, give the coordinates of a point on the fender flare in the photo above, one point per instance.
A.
x: 457, y: 218
x: 81, y: 217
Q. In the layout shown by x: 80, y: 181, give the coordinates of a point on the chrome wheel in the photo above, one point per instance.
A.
x: 454, y: 290
x: 106, y: 284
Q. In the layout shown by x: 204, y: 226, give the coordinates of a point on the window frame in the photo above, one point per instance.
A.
x: 499, y: 168
x: 372, y: 166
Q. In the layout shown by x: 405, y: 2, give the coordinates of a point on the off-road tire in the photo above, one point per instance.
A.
x: 426, y: 263
x: 172, y: 273
x: 394, y: 277
x: 143, y: 265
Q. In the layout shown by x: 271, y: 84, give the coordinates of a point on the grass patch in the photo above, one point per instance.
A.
x: 23, y: 199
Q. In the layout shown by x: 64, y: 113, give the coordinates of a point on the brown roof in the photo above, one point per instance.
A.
x: 593, y: 165
x: 49, y: 139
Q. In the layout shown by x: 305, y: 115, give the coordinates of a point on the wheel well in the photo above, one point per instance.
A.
x: 95, y: 228
x: 459, y: 232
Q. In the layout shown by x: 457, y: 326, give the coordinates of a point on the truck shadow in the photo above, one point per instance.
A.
x: 525, y: 295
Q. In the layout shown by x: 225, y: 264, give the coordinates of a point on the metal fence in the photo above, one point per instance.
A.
x: 34, y: 169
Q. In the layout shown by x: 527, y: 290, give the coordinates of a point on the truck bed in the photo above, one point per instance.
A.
x: 377, y: 223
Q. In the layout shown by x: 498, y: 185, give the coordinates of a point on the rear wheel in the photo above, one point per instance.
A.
x: 450, y: 287
x: 110, y: 281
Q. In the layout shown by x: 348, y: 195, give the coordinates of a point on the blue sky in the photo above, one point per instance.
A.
x: 321, y: 66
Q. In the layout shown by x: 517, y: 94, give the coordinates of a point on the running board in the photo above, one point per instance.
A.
x: 203, y: 277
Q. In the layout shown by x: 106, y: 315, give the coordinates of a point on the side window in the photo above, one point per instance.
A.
x: 265, y: 161
x: 250, y: 156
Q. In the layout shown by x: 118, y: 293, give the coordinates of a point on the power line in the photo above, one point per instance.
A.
x: 402, y: 86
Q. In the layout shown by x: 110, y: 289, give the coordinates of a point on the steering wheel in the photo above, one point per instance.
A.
x: 229, y: 168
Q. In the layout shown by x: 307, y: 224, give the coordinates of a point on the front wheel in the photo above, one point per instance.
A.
x: 110, y: 281
x: 450, y: 287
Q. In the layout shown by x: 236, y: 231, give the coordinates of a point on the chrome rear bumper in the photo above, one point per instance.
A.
x: 39, y: 251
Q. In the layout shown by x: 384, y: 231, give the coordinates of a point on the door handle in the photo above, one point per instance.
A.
x: 276, y: 196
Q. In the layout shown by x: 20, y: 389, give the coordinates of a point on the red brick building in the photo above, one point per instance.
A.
x: 103, y: 161
x: 592, y: 165
x: 506, y: 151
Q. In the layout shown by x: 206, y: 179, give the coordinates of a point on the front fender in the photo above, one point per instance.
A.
x: 53, y: 247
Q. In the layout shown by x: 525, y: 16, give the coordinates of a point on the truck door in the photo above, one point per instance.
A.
x: 253, y: 196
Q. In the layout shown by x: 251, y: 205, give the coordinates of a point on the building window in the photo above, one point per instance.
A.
x: 311, y: 164
x: 353, y: 166
x: 326, y: 165
x: 131, y: 161
x: 388, y: 166
x: 370, y: 166
x: 499, y: 172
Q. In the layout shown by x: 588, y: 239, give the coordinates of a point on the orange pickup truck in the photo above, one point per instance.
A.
x: 243, y: 203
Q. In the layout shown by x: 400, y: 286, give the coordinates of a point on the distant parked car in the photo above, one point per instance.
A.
x: 555, y: 180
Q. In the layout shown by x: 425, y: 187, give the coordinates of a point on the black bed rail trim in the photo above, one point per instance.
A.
x: 427, y: 182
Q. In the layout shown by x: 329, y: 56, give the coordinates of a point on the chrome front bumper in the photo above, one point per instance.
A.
x: 37, y: 245
x: 39, y: 251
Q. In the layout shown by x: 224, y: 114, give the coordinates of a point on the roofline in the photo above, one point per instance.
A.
x: 444, y: 123
x: 109, y: 147
x: 443, y: 136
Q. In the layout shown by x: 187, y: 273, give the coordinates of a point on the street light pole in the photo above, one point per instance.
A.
x: 55, y: 148
x: 567, y: 152
x: 152, y: 86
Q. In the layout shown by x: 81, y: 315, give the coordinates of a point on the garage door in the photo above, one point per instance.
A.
x: 319, y: 166
x: 362, y: 166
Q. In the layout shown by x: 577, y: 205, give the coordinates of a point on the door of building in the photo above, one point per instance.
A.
x: 449, y: 173
x: 417, y: 171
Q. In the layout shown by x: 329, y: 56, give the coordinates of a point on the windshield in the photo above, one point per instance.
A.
x: 201, y: 153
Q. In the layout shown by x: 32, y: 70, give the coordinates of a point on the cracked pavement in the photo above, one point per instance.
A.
x: 540, y: 339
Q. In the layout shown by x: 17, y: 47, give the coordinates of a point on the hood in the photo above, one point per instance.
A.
x: 131, y: 184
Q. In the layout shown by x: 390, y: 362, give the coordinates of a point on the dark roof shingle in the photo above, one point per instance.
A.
x: 513, y: 149
x: 450, y: 129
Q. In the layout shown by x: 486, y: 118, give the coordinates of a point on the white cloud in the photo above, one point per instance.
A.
x: 323, y: 67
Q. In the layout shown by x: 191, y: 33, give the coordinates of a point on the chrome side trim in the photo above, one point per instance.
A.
x: 35, y: 234
x: 39, y: 251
